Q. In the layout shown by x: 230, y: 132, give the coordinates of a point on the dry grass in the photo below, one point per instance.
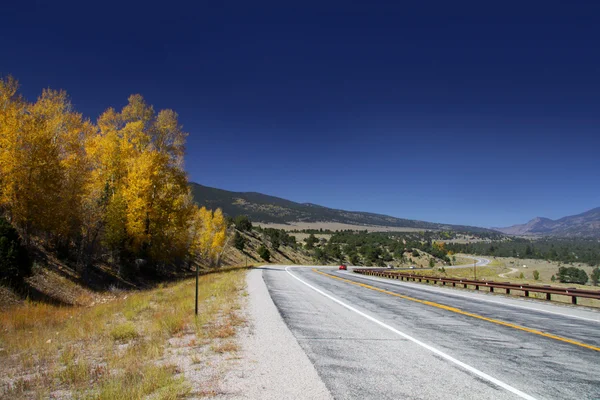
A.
x: 116, y: 350
x: 499, y: 265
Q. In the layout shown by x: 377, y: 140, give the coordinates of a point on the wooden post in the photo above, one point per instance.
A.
x: 197, y: 275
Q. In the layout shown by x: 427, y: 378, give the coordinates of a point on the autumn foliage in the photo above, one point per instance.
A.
x: 115, y: 189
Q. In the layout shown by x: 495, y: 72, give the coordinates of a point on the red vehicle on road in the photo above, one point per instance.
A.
x: 343, y: 267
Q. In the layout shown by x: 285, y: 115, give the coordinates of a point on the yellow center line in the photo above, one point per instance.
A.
x: 459, y: 311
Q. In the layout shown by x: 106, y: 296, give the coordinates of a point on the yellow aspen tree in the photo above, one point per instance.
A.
x: 139, y: 155
x: 208, y: 233
x: 12, y: 116
x: 42, y: 162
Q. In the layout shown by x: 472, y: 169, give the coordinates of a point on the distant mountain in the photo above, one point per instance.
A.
x: 586, y: 224
x: 263, y: 208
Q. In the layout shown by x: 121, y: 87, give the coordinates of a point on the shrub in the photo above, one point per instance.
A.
x: 595, y: 276
x: 242, y: 222
x: 264, y: 253
x: 521, y: 276
x: 553, y: 279
x: 572, y: 275
x: 320, y: 255
x: 239, y: 241
x: 14, y: 260
x: 536, y: 274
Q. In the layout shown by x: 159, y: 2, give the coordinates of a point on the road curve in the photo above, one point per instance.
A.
x: 481, y: 262
x: 377, y: 339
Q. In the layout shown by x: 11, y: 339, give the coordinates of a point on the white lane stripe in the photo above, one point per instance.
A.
x: 428, y: 347
x: 479, y: 297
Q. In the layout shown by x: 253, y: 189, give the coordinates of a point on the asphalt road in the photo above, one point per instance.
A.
x: 435, y: 342
x: 481, y: 262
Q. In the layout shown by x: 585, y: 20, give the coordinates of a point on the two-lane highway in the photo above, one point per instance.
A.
x: 372, y: 338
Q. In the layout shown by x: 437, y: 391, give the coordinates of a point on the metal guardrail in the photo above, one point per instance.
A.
x: 574, y: 293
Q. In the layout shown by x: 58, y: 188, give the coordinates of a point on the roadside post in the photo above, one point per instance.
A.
x: 197, y: 274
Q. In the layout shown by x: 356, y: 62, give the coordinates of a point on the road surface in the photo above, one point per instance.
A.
x: 369, y: 338
x: 481, y: 262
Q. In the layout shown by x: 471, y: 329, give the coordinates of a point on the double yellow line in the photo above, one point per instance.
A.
x: 459, y: 311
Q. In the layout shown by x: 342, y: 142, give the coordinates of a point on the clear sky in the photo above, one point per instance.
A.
x: 481, y: 113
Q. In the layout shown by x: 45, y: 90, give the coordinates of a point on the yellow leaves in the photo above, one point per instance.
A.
x: 42, y: 160
x: 121, y: 180
x: 207, y: 232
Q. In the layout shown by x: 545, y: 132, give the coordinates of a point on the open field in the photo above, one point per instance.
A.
x: 505, y: 265
x: 136, y: 344
x: 334, y: 226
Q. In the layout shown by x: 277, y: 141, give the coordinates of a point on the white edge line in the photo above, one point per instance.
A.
x: 424, y: 345
x: 480, y: 296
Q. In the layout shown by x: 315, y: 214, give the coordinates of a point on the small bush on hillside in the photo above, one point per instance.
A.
x: 239, y: 241
x: 14, y: 260
x: 354, y: 259
x: 242, y: 222
x: 536, y: 274
x: 264, y: 253
x: 595, y: 276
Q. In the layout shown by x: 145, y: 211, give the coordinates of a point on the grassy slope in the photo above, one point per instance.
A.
x: 72, y: 340
x: 128, y: 347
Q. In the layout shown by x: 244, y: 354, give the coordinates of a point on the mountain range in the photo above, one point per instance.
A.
x: 269, y: 209
x: 586, y: 224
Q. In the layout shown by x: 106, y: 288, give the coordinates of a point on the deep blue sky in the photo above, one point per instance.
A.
x: 458, y: 112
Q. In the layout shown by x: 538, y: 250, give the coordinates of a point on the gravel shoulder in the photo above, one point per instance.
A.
x: 271, y: 363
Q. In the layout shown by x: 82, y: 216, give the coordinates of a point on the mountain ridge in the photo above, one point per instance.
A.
x: 271, y: 209
x: 585, y: 224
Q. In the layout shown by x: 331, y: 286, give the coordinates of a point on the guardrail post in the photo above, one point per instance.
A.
x: 506, y: 286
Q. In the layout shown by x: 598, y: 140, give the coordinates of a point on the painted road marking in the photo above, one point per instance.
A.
x: 439, y: 290
x: 440, y: 353
x: 459, y: 311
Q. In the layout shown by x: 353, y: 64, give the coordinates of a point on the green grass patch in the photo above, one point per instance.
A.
x: 124, y: 332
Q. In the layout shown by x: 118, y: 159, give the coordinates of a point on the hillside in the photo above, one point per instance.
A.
x: 586, y: 224
x: 269, y: 209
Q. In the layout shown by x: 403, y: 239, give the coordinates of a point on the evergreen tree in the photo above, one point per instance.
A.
x: 14, y: 261
x: 264, y: 253
x: 595, y: 276
x: 239, y: 241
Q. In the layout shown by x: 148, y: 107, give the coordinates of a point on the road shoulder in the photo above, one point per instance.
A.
x: 272, y: 365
